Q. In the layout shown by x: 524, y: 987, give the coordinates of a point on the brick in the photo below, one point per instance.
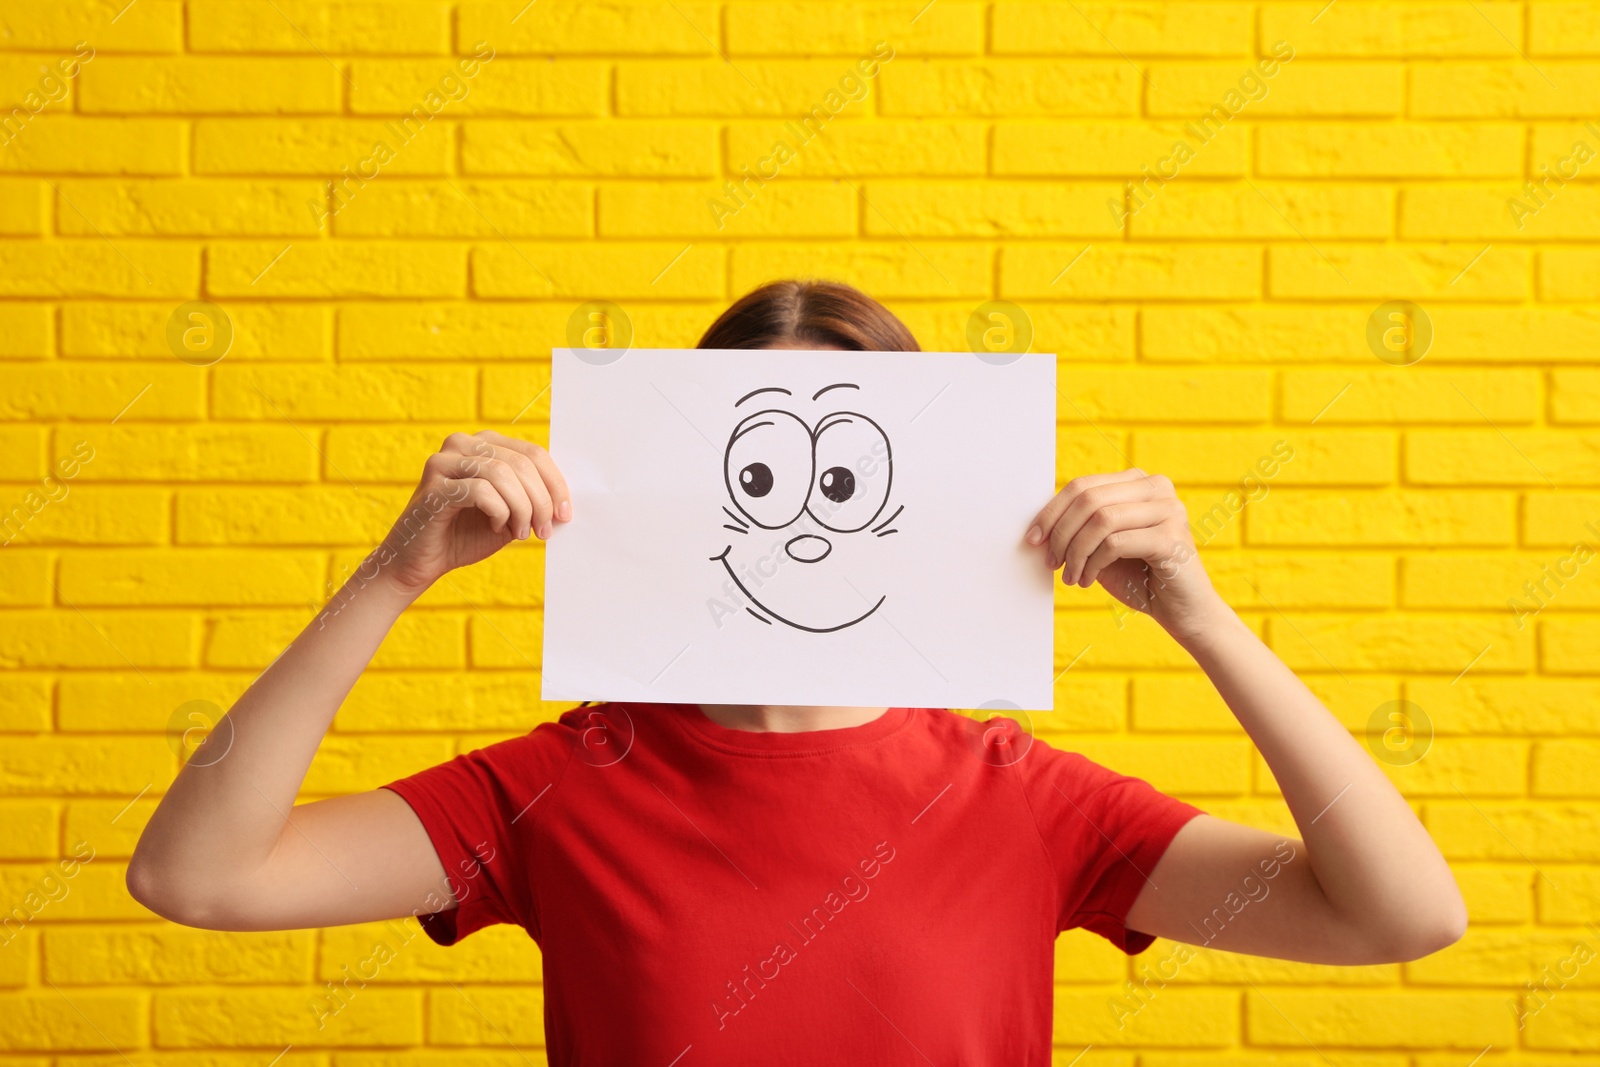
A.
x: 142, y: 955
x: 492, y: 210
x: 353, y: 764
x: 1099, y: 640
x: 118, y: 577
x: 1383, y: 517
x: 1218, y: 967
x: 743, y: 208
x: 113, y: 825
x: 241, y: 1018
x: 1505, y: 90
x: 94, y: 267
x: 75, y: 766
x: 887, y: 270
x: 1479, y: 581
x: 504, y: 954
x: 294, y: 332
x: 1143, y: 29
x: 567, y: 27
x: 450, y: 331
x: 26, y: 332
x: 1447, y: 644
x: 1567, y: 1023
x: 24, y: 575
x: 1010, y: 87
x: 1448, y: 768
x: 1390, y: 150
x: 1088, y: 451
x: 1575, y: 396
x: 1250, y: 334
x: 24, y: 703
x: 445, y: 703
x: 309, y: 515
x: 1191, y: 766
x: 1558, y: 519
x: 1161, y: 395
x: 616, y: 270
x: 1112, y: 149
x: 1271, y: 581
x: 103, y: 639
x: 429, y: 87
x: 1498, y: 334
x: 814, y: 91
x: 1178, y: 211
x: 1194, y: 272
x: 21, y: 453
x: 80, y: 391
x: 418, y: 639
x: 88, y: 888
x: 893, y: 148
x: 209, y: 1058
x: 1514, y: 832
x: 339, y: 393
x: 1227, y: 89
x: 88, y: 515
x: 1566, y: 646
x: 1503, y: 213
x: 1083, y: 705
x: 1519, y: 706
x: 385, y: 453
x: 22, y: 207
x: 1574, y: 901
x: 118, y: 702
x: 1384, y: 29
x: 331, y: 147
x: 1369, y: 1019
x: 54, y: 144
x: 140, y: 86
x: 1565, y: 768
x: 1410, y: 395
x: 186, y: 209
x: 1495, y: 894
x: 591, y: 149
x: 509, y: 578
x: 1274, y: 1057
x: 1269, y: 457
x: 46, y: 1021
x: 200, y: 453
x: 486, y: 1016
x: 990, y: 209
x: 1563, y: 28
x: 1191, y: 1018
x: 286, y: 26
x: 30, y: 829
x: 154, y: 26
x: 1085, y: 959
x: 511, y: 639
x: 1087, y: 332
x: 853, y: 30
x: 1569, y: 274
x: 1509, y: 457
x: 1446, y: 272
x: 327, y: 269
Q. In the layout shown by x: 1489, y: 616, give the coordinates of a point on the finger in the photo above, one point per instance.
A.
x: 1046, y: 520
x: 555, y: 484
x: 498, y: 474
x: 1087, y: 504
x: 1151, y: 543
x: 532, y: 484
x: 481, y: 494
x: 1106, y: 522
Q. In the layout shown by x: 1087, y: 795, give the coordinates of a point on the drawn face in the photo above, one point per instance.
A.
x: 817, y: 486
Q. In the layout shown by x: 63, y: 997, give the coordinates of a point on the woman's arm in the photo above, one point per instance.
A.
x: 1365, y: 884
x: 227, y: 848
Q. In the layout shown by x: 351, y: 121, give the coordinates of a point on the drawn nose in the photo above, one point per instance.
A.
x: 808, y: 548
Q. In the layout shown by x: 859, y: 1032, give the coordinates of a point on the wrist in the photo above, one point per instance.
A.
x: 1211, y: 625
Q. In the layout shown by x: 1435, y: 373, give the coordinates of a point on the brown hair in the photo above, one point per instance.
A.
x: 809, y: 312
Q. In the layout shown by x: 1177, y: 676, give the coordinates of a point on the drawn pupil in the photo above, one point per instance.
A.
x: 838, y: 484
x: 756, y: 479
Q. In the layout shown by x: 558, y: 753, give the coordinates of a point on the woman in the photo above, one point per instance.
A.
x: 715, y: 884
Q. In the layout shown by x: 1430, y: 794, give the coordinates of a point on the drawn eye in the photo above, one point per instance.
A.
x: 852, y: 454
x: 768, y: 468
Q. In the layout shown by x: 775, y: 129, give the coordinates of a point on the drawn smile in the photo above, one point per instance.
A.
x: 723, y: 559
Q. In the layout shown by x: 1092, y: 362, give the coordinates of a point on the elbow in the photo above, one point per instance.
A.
x: 174, y: 898
x: 1423, y: 935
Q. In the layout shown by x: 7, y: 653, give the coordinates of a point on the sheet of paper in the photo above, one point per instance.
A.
x: 801, y: 527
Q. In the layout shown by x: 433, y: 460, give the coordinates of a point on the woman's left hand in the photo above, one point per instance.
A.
x: 1129, y: 532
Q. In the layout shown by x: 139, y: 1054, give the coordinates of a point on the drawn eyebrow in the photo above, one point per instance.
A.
x: 766, y: 389
x: 746, y: 429
x: 839, y: 385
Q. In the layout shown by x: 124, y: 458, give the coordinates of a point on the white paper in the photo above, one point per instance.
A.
x: 736, y: 548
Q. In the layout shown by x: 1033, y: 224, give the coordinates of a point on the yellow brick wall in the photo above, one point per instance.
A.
x: 157, y: 152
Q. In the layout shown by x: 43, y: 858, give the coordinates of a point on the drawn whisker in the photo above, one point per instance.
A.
x: 735, y: 518
x: 890, y: 519
x: 886, y: 533
x: 735, y: 529
x: 763, y: 618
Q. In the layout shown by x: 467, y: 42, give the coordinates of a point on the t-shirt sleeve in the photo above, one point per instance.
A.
x: 1104, y: 832
x: 480, y: 810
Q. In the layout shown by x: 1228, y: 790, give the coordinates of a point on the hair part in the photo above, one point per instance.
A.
x: 809, y: 312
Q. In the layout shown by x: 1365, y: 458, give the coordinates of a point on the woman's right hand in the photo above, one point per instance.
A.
x: 477, y: 494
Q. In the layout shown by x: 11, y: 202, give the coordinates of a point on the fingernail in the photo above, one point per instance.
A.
x: 522, y: 534
x: 565, y: 511
x: 544, y: 532
x: 1035, y: 535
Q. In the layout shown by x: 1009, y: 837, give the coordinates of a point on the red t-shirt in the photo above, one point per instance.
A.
x: 888, y: 893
